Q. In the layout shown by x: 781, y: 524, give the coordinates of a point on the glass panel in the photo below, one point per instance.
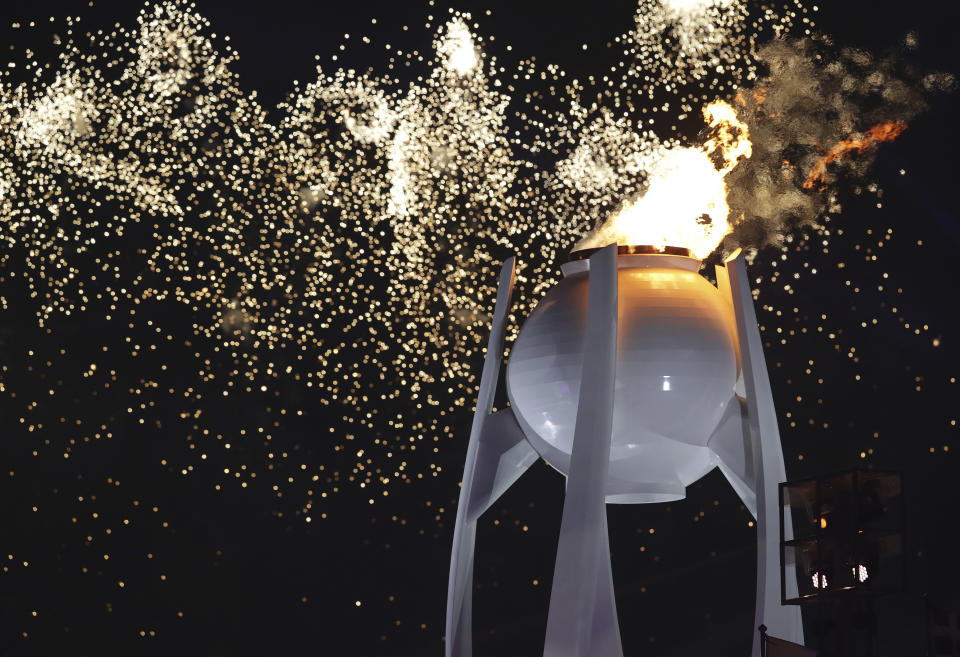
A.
x: 847, y: 535
x: 880, y: 501
x: 836, y: 561
x: 804, y: 555
x: 837, y: 505
x: 801, y: 499
x: 880, y: 561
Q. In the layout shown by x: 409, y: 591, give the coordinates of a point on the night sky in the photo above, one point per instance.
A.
x: 118, y: 539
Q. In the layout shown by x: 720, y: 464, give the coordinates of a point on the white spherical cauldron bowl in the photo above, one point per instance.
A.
x: 677, y: 367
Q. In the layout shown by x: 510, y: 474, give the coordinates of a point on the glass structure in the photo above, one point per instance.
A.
x: 845, y: 536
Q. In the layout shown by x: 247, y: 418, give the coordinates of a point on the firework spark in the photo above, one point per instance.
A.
x: 348, y: 247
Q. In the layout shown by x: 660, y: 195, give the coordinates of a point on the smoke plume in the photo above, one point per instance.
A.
x: 815, y: 118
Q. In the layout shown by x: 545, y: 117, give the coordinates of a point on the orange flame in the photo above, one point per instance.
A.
x: 759, y: 97
x: 686, y: 200
x: 857, y: 143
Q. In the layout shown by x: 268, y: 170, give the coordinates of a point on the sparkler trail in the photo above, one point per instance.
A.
x: 348, y: 248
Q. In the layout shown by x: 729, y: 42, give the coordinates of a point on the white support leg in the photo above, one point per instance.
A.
x: 497, y: 455
x: 782, y: 621
x: 583, y: 619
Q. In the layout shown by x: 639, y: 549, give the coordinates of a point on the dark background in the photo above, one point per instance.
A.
x: 244, y: 576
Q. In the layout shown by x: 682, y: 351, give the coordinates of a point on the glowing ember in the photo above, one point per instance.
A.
x: 686, y: 199
x: 854, y: 144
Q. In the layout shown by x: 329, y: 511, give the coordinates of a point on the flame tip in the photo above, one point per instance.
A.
x: 855, y: 143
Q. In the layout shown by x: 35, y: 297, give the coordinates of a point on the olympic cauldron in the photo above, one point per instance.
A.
x: 633, y: 377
